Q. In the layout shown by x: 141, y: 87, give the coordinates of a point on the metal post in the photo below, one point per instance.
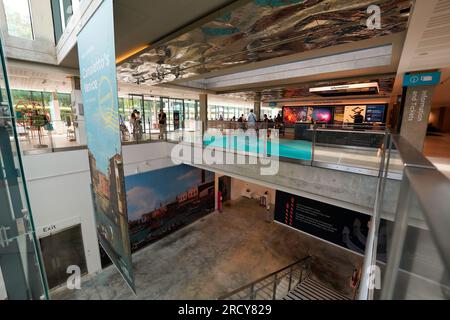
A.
x: 290, y: 278
x: 313, y: 147
x: 398, y: 240
x: 370, y: 256
x: 274, y: 296
x: 252, y: 292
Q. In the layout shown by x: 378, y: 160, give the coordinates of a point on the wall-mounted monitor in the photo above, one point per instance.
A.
x: 342, y: 114
x: 350, y: 112
x: 322, y: 115
x: 293, y: 115
x: 376, y: 113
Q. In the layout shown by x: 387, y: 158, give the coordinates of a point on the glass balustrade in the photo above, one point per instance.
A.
x: 22, y: 275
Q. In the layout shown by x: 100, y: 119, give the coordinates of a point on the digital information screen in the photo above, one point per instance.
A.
x: 375, y: 113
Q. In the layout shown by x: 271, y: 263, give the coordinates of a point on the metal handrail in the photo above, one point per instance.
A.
x: 432, y: 189
x: 370, y: 254
x: 290, y: 267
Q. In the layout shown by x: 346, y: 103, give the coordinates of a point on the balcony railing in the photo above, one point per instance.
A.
x: 418, y: 263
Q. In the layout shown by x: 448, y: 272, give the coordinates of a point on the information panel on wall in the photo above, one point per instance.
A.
x: 96, y: 52
x: 340, y: 226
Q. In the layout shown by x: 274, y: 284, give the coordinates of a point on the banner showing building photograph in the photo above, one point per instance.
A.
x: 165, y: 200
x: 96, y: 52
x: 340, y: 226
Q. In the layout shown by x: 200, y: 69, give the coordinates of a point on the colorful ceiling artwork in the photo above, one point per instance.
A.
x: 260, y: 30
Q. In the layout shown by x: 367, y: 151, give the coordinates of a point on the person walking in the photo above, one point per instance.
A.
x: 137, y: 126
x: 251, y: 120
x: 162, y: 118
x: 133, y: 122
x: 241, y: 122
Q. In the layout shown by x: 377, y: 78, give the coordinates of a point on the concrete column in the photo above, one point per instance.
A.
x: 203, y: 98
x: 257, y: 105
x: 78, y: 110
x: 55, y: 113
x: 416, y: 109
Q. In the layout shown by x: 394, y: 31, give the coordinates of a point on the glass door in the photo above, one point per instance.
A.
x: 177, y: 110
x: 164, y: 103
x: 152, y: 107
x: 22, y: 274
x: 191, y: 114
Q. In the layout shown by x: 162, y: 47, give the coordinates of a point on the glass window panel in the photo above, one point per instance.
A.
x: 18, y: 18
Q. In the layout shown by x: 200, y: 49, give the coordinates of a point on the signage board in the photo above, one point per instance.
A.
x: 343, y: 227
x: 422, y: 79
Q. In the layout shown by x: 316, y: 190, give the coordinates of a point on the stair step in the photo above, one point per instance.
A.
x: 311, y: 289
x: 324, y: 289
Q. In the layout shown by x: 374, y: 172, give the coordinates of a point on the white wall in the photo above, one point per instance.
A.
x: 59, y: 189
x: 60, y: 196
x: 238, y: 186
x: 144, y: 157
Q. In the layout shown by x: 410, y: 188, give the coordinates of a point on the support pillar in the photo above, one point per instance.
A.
x: 257, y: 106
x: 203, y: 98
x: 417, y: 96
x: 78, y: 111
x: 55, y: 114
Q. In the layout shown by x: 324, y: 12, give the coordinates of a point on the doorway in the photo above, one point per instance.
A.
x: 225, y: 188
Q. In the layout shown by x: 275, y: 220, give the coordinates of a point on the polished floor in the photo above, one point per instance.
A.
x: 437, y: 150
x: 217, y: 254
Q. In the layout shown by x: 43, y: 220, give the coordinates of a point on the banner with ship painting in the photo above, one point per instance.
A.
x: 96, y: 52
x: 165, y: 200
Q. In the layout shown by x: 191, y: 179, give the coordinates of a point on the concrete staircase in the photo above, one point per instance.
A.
x: 310, y: 289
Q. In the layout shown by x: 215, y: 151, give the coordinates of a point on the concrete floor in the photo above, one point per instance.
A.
x: 205, y: 260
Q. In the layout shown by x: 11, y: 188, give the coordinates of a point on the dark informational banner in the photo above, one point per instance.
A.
x: 96, y: 52
x: 343, y: 227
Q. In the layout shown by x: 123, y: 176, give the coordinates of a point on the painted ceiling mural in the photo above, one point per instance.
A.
x: 261, y: 30
x: 385, y: 84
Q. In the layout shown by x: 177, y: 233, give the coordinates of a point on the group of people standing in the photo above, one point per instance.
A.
x: 136, y: 124
x: 251, y: 120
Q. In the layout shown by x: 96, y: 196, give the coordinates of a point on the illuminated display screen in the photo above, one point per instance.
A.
x: 341, y: 114
x: 296, y: 114
x: 322, y: 115
x: 375, y: 113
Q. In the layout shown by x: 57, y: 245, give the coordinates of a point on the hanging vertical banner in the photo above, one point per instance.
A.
x: 96, y: 52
